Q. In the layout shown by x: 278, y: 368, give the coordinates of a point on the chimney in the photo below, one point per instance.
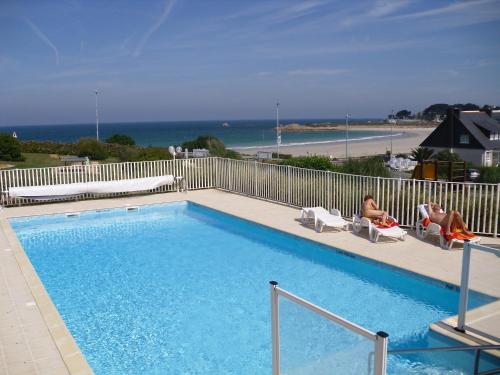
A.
x: 488, y: 110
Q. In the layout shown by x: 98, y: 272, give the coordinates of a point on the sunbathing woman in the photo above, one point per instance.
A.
x: 370, y: 210
x: 450, y: 221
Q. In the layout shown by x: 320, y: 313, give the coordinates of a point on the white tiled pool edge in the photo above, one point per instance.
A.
x: 69, y: 351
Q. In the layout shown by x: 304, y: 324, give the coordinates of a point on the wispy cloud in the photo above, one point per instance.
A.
x: 455, y: 7
x: 169, y: 4
x: 43, y: 38
x: 317, y: 72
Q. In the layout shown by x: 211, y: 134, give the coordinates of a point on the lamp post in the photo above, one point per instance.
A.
x: 278, y: 129
x: 392, y: 120
x: 346, y: 133
x: 96, y: 116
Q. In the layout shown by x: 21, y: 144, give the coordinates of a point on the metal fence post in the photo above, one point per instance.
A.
x: 289, y: 185
x: 255, y: 178
x: 464, y: 287
x: 275, y: 327
x: 378, y: 188
x: 495, y: 232
x: 381, y: 353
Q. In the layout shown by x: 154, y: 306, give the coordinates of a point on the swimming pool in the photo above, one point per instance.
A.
x: 183, y: 289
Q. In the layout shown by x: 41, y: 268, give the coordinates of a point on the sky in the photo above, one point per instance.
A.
x: 169, y: 60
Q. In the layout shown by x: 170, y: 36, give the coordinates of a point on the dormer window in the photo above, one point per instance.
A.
x: 494, y: 136
x: 464, y: 139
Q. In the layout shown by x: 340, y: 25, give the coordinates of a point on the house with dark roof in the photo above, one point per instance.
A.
x: 473, y: 135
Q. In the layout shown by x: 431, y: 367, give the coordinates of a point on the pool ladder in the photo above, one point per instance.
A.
x: 478, y: 349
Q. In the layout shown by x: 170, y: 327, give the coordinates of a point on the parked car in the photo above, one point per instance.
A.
x: 473, y: 174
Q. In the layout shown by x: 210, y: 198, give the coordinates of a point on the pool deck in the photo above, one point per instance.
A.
x: 34, y: 339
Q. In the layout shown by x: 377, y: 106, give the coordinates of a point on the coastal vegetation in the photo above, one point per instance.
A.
x: 373, y: 166
x: 121, y: 139
x: 10, y: 148
x: 214, y: 146
x: 91, y: 148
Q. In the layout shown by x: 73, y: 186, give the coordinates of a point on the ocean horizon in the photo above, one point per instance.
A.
x: 245, y: 134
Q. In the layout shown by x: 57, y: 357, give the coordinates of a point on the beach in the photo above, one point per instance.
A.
x: 403, y: 140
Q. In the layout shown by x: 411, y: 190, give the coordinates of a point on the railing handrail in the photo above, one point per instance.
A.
x: 327, y: 314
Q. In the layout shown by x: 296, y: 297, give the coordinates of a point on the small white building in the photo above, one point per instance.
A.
x: 472, y: 135
x: 200, y: 153
x: 264, y: 155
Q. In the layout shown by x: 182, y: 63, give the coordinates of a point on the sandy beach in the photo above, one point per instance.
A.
x: 403, y: 140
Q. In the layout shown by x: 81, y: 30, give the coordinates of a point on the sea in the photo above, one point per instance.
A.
x: 242, y: 134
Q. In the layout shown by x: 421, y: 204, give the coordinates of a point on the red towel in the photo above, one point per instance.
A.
x: 389, y: 223
x: 426, y: 222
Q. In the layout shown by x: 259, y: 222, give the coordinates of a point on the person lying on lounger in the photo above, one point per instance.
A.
x: 371, y: 210
x: 451, y: 221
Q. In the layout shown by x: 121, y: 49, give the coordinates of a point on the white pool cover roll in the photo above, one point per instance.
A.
x: 94, y: 187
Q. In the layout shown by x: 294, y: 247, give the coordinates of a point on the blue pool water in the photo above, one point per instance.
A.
x: 182, y: 289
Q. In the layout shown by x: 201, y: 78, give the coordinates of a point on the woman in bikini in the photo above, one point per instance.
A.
x: 450, y: 221
x: 370, y: 210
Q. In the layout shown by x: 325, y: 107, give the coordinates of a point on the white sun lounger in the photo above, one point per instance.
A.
x: 322, y: 218
x: 434, y: 229
x: 359, y: 222
x: 333, y: 219
x: 48, y: 192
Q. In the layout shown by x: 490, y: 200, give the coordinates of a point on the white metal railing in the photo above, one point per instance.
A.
x: 379, y: 339
x: 198, y: 174
x: 478, y: 203
x: 298, y: 187
x: 464, y: 286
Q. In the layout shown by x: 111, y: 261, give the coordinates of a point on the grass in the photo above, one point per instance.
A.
x: 35, y: 161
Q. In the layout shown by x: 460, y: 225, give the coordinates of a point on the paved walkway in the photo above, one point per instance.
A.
x: 34, y: 340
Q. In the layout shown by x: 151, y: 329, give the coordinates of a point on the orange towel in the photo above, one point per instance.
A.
x: 458, y: 234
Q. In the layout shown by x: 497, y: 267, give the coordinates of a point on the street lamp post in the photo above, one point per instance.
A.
x: 346, y: 133
x: 278, y: 129
x: 96, y: 116
x: 392, y: 122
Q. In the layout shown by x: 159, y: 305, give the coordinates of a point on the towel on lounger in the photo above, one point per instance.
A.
x: 389, y: 223
x: 458, y: 234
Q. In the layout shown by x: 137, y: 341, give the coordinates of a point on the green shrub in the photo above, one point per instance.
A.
x: 48, y: 147
x: 282, y: 156
x: 446, y: 155
x: 214, y: 146
x: 10, y: 148
x: 321, y: 163
x: 121, y: 139
x: 373, y: 166
x: 490, y: 175
x: 92, y: 148
x: 148, y: 154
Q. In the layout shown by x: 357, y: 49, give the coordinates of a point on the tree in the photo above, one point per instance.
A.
x: 421, y: 153
x: 121, y: 139
x: 403, y: 114
x: 91, y: 148
x: 214, y: 146
x: 10, y: 148
x: 435, y: 110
